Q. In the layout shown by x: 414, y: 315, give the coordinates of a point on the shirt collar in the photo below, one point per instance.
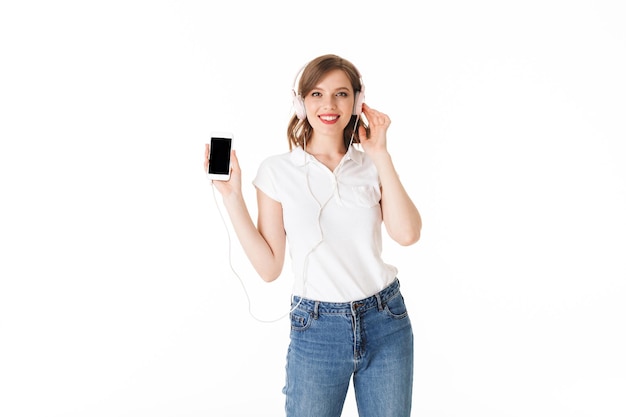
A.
x: 299, y: 156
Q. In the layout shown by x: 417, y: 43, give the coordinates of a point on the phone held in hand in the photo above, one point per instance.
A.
x: 219, y: 156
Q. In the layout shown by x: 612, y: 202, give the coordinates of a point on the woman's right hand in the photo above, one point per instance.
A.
x: 233, y: 185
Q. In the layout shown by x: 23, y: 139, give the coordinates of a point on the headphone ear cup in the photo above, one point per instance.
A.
x: 358, y: 103
x: 298, y: 106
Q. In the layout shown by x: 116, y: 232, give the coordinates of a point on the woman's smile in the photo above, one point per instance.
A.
x: 329, y: 119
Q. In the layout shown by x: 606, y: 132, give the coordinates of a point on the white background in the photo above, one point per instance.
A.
x: 508, y: 130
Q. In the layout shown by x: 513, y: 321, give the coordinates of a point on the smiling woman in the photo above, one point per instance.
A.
x: 328, y: 199
x: 116, y: 297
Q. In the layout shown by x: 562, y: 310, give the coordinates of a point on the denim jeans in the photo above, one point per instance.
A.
x: 370, y: 341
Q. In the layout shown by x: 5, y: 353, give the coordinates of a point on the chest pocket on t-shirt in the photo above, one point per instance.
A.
x: 358, y: 196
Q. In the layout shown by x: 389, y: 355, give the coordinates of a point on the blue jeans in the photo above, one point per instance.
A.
x: 370, y: 341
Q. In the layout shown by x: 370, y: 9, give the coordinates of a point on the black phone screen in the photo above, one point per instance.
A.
x: 219, y: 158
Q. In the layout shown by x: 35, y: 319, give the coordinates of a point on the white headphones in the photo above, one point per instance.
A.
x: 298, y: 101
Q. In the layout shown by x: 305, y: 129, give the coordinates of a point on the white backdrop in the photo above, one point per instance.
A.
x: 507, y: 129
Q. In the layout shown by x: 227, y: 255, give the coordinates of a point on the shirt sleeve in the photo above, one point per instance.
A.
x: 265, y: 180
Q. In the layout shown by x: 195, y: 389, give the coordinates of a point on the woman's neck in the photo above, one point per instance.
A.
x: 328, y: 151
x: 325, y: 145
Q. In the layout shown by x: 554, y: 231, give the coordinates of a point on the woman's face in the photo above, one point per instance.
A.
x: 329, y: 105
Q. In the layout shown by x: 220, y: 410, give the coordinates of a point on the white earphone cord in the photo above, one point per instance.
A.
x: 230, y: 263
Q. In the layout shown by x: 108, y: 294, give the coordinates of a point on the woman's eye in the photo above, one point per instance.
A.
x: 343, y: 94
x: 315, y: 94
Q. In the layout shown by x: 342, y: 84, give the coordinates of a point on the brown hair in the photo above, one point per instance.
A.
x: 299, y: 130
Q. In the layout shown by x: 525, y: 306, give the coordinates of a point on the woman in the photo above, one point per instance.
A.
x: 328, y: 197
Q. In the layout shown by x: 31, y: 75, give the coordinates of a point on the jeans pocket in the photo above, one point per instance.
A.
x: 395, y: 307
x: 300, y: 320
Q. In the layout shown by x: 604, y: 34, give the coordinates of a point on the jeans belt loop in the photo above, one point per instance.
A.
x: 380, y: 302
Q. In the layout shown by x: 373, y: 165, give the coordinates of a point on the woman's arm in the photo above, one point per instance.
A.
x: 402, y: 219
x: 264, y: 246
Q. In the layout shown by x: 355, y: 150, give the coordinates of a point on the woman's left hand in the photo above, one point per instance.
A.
x: 378, y: 123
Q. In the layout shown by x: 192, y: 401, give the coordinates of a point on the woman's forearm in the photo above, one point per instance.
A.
x: 400, y: 215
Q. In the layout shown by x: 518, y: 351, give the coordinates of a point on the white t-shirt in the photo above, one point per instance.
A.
x: 332, y: 221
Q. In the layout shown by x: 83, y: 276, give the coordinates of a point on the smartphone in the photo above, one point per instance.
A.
x: 219, y: 156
